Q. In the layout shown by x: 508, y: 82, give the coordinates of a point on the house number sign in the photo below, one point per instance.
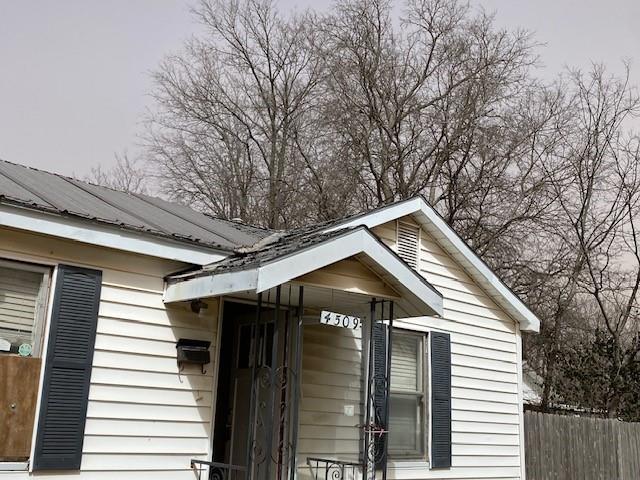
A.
x: 339, y: 320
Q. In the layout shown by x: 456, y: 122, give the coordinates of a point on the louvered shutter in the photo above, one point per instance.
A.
x: 440, y: 400
x: 408, y: 242
x: 68, y: 369
x: 380, y: 345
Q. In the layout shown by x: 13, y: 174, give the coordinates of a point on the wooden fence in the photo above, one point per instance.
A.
x: 564, y: 447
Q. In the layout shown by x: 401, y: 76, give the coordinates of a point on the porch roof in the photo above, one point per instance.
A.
x: 284, y: 258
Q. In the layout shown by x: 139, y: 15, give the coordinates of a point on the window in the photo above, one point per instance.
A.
x: 407, y: 396
x: 23, y: 290
x: 408, y: 241
x: 23, y: 296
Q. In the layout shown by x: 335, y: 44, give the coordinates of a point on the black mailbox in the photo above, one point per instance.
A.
x: 195, y: 352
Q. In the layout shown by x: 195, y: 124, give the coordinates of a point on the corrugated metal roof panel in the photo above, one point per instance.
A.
x: 42, y: 190
x: 12, y: 190
x: 235, y: 233
x: 63, y: 196
x: 152, y: 217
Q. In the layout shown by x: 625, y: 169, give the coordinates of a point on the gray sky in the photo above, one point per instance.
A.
x: 74, y: 73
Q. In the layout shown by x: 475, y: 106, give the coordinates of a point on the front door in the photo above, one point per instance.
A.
x: 241, y: 388
x: 235, y: 387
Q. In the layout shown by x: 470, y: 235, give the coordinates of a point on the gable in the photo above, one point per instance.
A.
x: 463, y: 298
x: 351, y: 276
x: 450, y: 244
x: 294, y: 256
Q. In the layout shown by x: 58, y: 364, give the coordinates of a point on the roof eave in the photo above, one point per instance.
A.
x: 107, y: 235
x: 420, y: 298
x: 477, y: 268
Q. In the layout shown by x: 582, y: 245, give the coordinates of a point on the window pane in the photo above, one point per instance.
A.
x: 405, y: 363
x: 405, y: 425
x: 19, y: 292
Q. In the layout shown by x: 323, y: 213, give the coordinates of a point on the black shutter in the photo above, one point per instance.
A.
x: 440, y: 400
x: 72, y: 335
x: 381, y: 395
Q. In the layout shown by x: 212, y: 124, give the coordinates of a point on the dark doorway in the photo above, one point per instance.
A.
x: 257, y: 389
x: 234, y: 369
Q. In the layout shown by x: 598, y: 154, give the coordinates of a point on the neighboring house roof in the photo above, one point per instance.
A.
x: 531, y: 385
x: 451, y: 242
x: 52, y: 193
x: 289, y: 256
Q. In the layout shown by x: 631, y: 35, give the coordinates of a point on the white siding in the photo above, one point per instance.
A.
x: 484, y: 344
x: 485, y: 400
x: 331, y: 381
x: 145, y: 418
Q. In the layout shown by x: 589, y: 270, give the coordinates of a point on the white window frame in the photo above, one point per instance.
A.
x: 41, y: 302
x: 424, y: 371
x: 41, y: 325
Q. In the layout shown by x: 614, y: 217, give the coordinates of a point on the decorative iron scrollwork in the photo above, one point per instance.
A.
x: 218, y: 471
x: 327, y: 469
x: 375, y: 430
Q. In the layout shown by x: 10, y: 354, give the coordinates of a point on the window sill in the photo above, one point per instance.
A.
x: 14, y: 466
x: 399, y: 464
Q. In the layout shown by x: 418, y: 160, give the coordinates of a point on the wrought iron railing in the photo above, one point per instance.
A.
x: 327, y: 469
x: 218, y: 471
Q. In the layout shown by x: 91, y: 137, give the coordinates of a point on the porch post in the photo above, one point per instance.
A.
x: 296, y: 377
x: 377, y: 400
x: 255, y: 333
x: 387, y: 385
x: 273, y: 387
x: 368, y: 459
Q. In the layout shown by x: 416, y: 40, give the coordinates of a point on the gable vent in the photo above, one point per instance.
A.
x: 408, y: 243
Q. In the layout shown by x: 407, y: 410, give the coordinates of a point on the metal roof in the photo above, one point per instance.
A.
x: 39, y: 190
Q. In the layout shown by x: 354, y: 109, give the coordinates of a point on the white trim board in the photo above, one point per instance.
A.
x: 418, y: 297
x: 104, y: 236
x: 448, y: 239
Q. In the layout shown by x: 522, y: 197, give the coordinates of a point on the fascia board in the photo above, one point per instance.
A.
x: 284, y: 269
x: 211, y: 286
x: 116, y: 238
x: 404, y: 275
x: 382, y: 215
x: 527, y: 319
x: 477, y: 268
x: 361, y: 241
x: 277, y: 272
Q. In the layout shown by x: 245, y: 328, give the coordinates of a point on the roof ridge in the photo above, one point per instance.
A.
x: 234, y: 222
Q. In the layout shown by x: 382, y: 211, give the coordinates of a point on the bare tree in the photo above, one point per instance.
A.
x: 442, y: 105
x: 592, y: 244
x: 231, y: 108
x: 287, y: 120
x: 127, y: 175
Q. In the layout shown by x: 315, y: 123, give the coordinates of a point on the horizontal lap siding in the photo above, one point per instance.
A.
x: 145, y: 418
x: 485, y: 405
x: 331, y: 380
x: 141, y: 406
